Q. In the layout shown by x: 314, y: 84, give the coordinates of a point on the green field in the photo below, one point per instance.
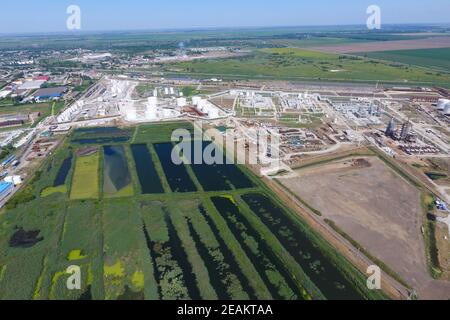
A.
x: 8, y: 108
x: 175, y: 245
x: 143, y: 89
x: 159, y: 132
x: 85, y: 180
x: 299, y: 64
x: 429, y: 58
x: 142, y: 42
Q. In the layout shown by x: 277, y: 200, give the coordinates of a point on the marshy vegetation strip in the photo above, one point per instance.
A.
x: 224, y: 235
x: 203, y: 280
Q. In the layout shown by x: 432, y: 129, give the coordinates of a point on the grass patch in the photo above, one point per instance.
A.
x: 128, y: 191
x: 114, y: 271
x: 428, y: 58
x: 52, y: 190
x: 299, y: 64
x: 76, y: 255
x: 143, y: 89
x: 156, y: 133
x: 427, y: 202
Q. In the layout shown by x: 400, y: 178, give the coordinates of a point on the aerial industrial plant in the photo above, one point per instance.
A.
x: 247, y: 164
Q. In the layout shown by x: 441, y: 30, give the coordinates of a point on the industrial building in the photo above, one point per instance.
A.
x: 360, y: 111
x: 13, y: 120
x: 8, y: 161
x: 404, y: 134
x: 31, y: 85
x: 5, y: 93
x: 405, y: 131
x: 15, y: 180
x: 391, y: 128
x: 49, y: 93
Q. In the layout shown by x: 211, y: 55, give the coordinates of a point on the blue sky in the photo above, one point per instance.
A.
x: 50, y: 15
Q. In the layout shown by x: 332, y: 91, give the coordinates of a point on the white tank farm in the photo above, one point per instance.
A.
x: 67, y: 115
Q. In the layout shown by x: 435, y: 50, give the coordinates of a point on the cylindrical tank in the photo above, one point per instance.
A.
x: 447, y: 109
x: 441, y: 103
x: 196, y: 100
x: 181, y: 102
x: 152, y: 103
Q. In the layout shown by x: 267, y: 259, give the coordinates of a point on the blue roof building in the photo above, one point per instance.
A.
x: 5, y: 189
x: 8, y: 160
x: 49, y: 93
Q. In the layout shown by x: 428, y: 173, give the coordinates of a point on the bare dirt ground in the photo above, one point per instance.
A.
x: 444, y: 252
x: 377, y: 208
x: 428, y: 43
x: 224, y: 102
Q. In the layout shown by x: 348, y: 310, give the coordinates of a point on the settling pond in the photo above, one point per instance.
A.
x: 116, y: 175
x: 218, y: 177
x: 177, y: 175
x: 63, y: 172
x: 145, y: 167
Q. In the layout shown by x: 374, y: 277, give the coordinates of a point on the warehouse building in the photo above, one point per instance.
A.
x: 13, y: 120
x: 30, y: 85
x: 5, y: 189
x: 5, y: 93
x: 49, y: 93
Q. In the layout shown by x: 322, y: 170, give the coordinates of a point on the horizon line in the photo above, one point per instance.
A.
x: 189, y: 29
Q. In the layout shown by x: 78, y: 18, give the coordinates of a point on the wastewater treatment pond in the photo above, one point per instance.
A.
x: 116, y: 175
x: 178, y: 232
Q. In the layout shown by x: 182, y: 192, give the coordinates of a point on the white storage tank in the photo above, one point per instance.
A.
x: 441, y: 104
x: 16, y: 180
x: 181, y: 102
x: 196, y: 100
x: 447, y: 109
x: 152, y: 102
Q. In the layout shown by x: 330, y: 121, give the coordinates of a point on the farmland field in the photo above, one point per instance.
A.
x: 428, y: 58
x: 85, y: 180
x: 157, y: 243
x: 45, y: 109
x: 300, y: 64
